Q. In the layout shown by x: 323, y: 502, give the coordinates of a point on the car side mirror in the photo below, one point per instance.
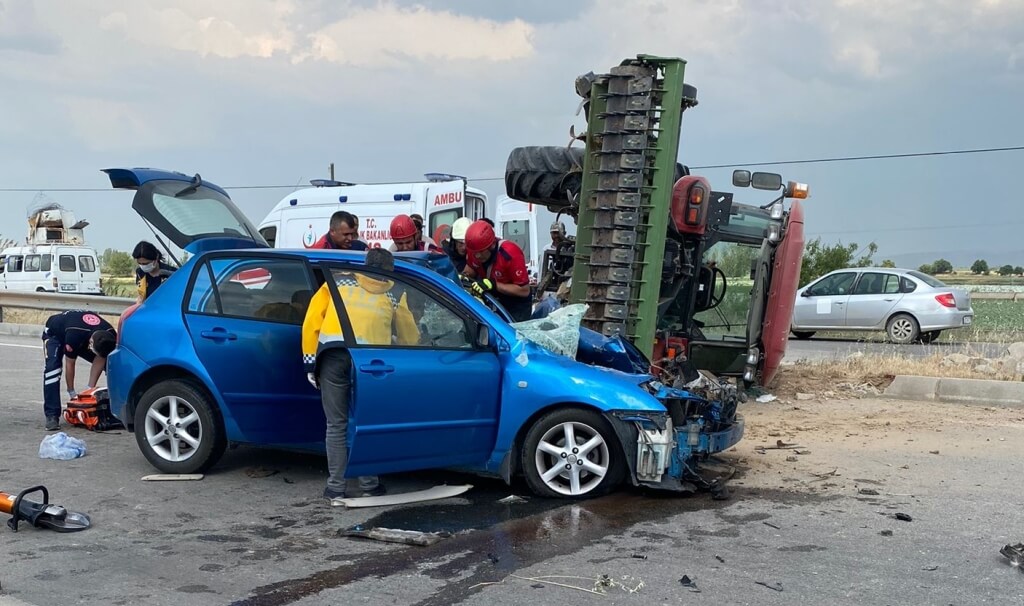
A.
x: 483, y: 336
x: 805, y: 293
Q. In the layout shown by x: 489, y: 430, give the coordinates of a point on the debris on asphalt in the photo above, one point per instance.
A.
x: 886, y: 533
x: 600, y: 587
x: 933, y: 452
x: 287, y: 481
x: 765, y: 398
x: 1014, y: 553
x: 903, y: 517
x: 868, y: 491
x: 802, y: 452
x: 772, y: 525
x: 493, y: 558
x: 825, y: 476
x: 394, y: 535
x: 638, y: 556
x: 930, y: 568
x: 261, y: 472
x: 173, y: 477
x: 792, y: 459
x: 773, y: 587
x: 512, y: 498
x: 719, y: 558
x: 804, y: 396
x: 689, y: 584
x: 62, y: 447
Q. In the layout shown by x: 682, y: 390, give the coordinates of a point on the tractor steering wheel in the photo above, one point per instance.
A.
x: 713, y: 300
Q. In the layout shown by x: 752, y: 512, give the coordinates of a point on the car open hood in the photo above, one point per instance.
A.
x: 185, y: 209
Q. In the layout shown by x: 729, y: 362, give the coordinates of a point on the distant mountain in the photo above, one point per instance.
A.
x: 959, y: 259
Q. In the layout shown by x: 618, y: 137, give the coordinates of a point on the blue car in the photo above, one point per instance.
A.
x: 214, y: 357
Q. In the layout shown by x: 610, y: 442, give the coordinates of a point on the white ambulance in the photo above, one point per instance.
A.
x: 303, y: 216
x: 64, y: 268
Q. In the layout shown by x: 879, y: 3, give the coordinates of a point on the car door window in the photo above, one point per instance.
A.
x: 390, y: 311
x: 870, y: 283
x: 32, y: 263
x: 87, y: 264
x: 14, y: 263
x: 836, y: 284
x: 260, y: 289
x: 66, y: 263
x: 907, y: 285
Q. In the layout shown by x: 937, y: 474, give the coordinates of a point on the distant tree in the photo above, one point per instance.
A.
x: 942, y: 266
x: 888, y: 263
x: 117, y: 263
x: 1006, y: 270
x: 979, y: 267
x: 819, y: 259
x: 1018, y: 270
x: 5, y: 242
x: 927, y: 268
x: 734, y: 260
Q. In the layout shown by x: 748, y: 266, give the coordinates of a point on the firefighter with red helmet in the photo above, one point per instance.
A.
x: 498, y: 266
x: 407, y: 237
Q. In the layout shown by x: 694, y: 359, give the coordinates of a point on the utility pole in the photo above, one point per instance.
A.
x: 332, y: 171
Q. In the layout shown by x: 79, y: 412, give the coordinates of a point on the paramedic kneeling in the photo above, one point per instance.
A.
x: 500, y: 267
x: 68, y: 336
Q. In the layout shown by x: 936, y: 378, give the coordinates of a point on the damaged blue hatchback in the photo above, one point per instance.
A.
x: 213, y: 357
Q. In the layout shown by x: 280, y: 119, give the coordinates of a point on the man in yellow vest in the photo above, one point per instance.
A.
x: 377, y: 317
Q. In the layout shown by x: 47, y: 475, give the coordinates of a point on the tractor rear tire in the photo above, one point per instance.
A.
x: 547, y: 176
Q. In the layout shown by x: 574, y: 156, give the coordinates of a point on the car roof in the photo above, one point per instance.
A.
x: 404, y: 261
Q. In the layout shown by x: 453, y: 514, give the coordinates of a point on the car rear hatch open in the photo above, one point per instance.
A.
x: 186, y: 210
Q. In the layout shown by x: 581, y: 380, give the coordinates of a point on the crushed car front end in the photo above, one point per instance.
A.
x: 667, y: 450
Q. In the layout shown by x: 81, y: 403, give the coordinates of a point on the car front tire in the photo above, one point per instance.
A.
x: 803, y: 335
x: 572, y: 454
x: 902, y: 329
x: 178, y: 428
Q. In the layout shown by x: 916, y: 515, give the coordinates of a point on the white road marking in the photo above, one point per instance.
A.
x: 21, y: 345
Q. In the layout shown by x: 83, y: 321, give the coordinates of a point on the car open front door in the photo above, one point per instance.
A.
x: 246, y: 331
x: 430, y: 398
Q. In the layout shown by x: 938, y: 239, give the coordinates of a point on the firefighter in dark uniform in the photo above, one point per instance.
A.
x: 68, y: 336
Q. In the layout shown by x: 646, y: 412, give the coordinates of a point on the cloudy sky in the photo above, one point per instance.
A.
x: 269, y: 92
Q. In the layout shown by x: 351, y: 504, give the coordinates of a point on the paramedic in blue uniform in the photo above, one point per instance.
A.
x: 68, y: 336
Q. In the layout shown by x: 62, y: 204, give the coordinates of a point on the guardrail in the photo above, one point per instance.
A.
x: 47, y: 301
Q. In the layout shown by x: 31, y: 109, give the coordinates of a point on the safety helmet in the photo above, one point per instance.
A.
x: 558, y: 228
x: 459, y: 228
x: 479, y: 237
x: 402, y: 227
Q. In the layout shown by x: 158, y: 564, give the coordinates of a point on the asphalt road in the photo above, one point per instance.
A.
x: 255, y: 532
x: 821, y: 348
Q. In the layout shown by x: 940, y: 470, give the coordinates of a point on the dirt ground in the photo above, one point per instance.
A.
x: 848, y: 443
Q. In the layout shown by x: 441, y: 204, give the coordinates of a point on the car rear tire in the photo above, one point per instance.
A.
x: 178, y: 428
x: 543, y: 175
x: 803, y: 335
x: 902, y: 329
x: 930, y: 336
x: 572, y: 454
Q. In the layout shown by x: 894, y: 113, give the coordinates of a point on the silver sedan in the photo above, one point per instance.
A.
x: 908, y: 305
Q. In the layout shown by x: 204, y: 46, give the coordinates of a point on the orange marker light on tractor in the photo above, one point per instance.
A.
x: 797, y: 190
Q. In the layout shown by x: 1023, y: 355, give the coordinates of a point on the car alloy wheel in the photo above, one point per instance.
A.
x: 173, y: 429
x: 178, y: 427
x: 902, y: 329
x: 573, y: 454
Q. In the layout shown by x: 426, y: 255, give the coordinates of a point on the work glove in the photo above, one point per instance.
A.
x: 311, y: 377
x: 481, y: 286
x: 72, y: 394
